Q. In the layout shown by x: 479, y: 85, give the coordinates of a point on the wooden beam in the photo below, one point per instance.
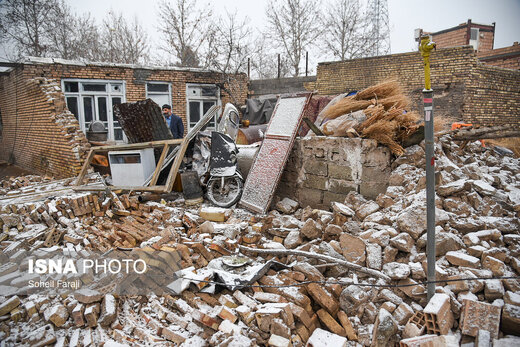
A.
x: 84, y: 168
x: 140, y: 145
x: 157, y: 189
x: 159, y: 165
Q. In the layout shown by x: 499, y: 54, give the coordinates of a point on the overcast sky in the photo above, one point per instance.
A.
x: 405, y: 16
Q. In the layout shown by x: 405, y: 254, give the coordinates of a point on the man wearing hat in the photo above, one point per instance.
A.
x: 174, y: 122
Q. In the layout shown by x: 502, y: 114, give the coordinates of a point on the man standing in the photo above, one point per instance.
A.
x: 174, y: 122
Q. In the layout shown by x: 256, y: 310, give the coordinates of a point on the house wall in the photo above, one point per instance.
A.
x: 321, y: 170
x: 464, y: 89
x: 39, y: 133
x: 460, y: 36
x: 507, y: 57
x: 32, y: 136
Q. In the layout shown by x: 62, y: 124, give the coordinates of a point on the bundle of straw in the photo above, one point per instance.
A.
x: 380, y: 91
x: 345, y: 106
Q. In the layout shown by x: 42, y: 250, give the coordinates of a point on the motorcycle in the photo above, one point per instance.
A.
x: 220, y: 174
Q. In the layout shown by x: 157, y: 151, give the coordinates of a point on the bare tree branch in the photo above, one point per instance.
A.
x: 295, y: 26
x: 22, y: 25
x: 187, y: 32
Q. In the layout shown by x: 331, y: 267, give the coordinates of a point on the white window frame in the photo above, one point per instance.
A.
x: 201, y: 99
x: 474, y: 43
x: 159, y: 93
x: 108, y: 93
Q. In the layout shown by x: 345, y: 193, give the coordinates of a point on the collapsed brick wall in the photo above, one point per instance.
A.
x: 39, y: 133
x: 454, y: 73
x: 325, y: 169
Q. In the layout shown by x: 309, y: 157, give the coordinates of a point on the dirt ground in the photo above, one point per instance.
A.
x: 7, y: 170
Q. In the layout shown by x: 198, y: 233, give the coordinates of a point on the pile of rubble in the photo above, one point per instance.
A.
x: 351, y: 276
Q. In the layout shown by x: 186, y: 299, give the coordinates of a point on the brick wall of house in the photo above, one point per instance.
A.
x: 136, y: 80
x: 325, y: 169
x: 492, y: 96
x: 507, y: 57
x: 452, y: 38
x: 449, y: 70
x: 460, y: 83
x: 39, y: 133
x: 460, y: 36
x: 32, y: 136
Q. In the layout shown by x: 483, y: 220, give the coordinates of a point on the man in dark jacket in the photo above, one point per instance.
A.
x: 174, y: 122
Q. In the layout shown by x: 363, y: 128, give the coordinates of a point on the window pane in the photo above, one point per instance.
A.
x: 118, y: 134
x: 116, y: 101
x: 209, y: 91
x: 474, y: 33
x: 157, y: 87
x: 72, y: 105
x: 102, y: 109
x: 116, y: 88
x: 87, y: 109
x: 94, y: 87
x: 194, y: 112
x: 71, y: 87
x: 206, y: 106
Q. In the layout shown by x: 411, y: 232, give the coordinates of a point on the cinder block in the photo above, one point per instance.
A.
x: 437, y: 315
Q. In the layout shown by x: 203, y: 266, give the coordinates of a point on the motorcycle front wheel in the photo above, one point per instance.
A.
x: 225, y: 191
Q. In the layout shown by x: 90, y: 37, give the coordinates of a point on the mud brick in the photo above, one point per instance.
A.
x: 244, y: 299
x: 227, y: 300
x: 294, y: 296
x: 417, y: 341
x: 245, y: 314
x: 172, y: 336
x: 77, y: 315
x: 347, y: 325
x: 330, y: 322
x: 302, y: 331
x: 205, y: 319
x: 278, y: 327
x: 225, y: 313
x: 218, y: 248
x: 92, y: 314
x: 199, y: 247
x: 302, y: 316
x: 265, y: 316
x: 268, y: 297
x: 9, y: 305
x: 323, y: 298
x: 479, y: 315
x: 510, y: 319
x: 437, y: 314
x: 209, y: 299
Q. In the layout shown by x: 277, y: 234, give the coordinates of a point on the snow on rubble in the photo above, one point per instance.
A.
x: 297, y: 275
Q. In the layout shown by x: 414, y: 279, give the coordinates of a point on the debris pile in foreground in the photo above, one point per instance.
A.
x: 234, y: 295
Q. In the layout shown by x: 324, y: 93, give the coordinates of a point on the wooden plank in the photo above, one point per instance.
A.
x: 140, y: 145
x: 159, y: 165
x: 185, y: 142
x: 125, y: 188
x: 84, y: 168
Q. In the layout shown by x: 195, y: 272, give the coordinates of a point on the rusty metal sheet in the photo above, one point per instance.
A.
x: 142, y: 121
x: 269, y: 164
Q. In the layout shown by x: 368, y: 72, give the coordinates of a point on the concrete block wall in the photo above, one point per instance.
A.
x: 321, y: 170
